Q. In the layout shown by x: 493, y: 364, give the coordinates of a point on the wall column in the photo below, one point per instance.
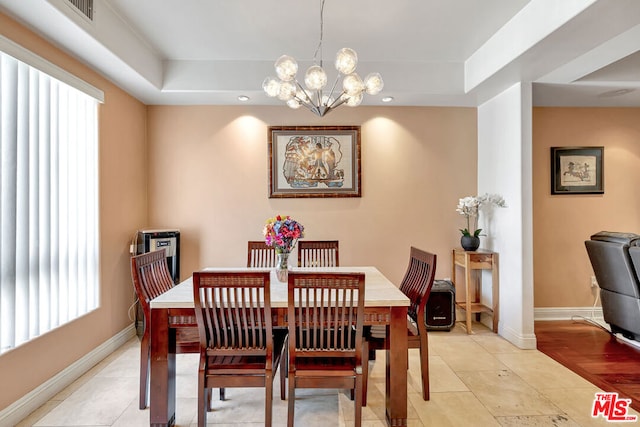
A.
x: 504, y: 167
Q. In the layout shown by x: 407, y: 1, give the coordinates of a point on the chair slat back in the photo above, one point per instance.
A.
x: 151, y: 276
x: 260, y: 255
x: 325, y: 314
x: 318, y: 253
x: 233, y: 312
x: 418, y: 281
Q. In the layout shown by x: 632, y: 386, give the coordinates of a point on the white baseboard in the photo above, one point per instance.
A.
x: 24, y: 406
x: 567, y: 313
x: 525, y: 342
x: 550, y: 313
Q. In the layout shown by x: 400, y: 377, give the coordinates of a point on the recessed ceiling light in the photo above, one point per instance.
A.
x: 243, y: 98
x: 613, y: 93
x: 387, y: 99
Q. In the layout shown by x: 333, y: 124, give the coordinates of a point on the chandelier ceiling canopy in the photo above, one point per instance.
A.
x: 312, y: 95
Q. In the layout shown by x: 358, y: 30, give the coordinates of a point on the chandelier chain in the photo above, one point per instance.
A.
x: 319, y: 48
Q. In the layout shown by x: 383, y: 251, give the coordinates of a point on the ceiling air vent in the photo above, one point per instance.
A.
x: 84, y: 7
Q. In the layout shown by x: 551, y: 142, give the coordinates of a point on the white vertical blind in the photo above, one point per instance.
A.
x: 48, y: 203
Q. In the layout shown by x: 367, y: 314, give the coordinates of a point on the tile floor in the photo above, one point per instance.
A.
x: 476, y: 380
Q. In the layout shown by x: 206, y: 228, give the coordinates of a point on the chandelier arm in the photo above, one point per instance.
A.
x: 334, y: 87
x: 311, y: 108
x: 339, y: 101
x: 318, y: 101
x: 305, y: 92
x: 308, y: 105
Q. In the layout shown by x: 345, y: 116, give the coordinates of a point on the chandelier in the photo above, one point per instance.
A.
x: 288, y: 89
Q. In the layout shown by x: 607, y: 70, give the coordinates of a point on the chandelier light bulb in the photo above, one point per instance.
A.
x: 293, y: 103
x: 302, y: 96
x: 287, y: 91
x: 271, y: 86
x: 352, y: 84
x: 373, y: 83
x: 346, y: 60
x: 353, y: 101
x: 315, y: 78
x: 286, y: 68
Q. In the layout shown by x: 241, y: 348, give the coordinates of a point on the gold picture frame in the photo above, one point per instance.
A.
x: 314, y: 161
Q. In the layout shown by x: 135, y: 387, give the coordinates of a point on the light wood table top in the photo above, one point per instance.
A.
x: 379, y: 291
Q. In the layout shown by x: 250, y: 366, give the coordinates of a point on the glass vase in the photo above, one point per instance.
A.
x: 282, y: 266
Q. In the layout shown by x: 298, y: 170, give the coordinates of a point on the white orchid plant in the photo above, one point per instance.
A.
x: 470, y: 207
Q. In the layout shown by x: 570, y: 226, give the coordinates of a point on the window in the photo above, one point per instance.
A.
x: 49, y: 252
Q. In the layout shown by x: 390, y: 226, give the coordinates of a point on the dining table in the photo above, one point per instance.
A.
x: 173, y: 324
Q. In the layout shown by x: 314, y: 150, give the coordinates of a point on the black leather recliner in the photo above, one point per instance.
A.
x: 615, y: 258
x: 634, y: 252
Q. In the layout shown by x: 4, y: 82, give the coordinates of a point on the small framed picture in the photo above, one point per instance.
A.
x: 314, y: 161
x: 577, y: 170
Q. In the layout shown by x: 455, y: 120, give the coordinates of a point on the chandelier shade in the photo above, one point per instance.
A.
x: 286, y: 68
x: 352, y: 84
x: 287, y: 91
x: 373, y: 83
x: 315, y: 78
x: 346, y: 60
x: 287, y: 88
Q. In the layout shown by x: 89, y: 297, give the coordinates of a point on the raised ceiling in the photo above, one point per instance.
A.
x: 429, y: 52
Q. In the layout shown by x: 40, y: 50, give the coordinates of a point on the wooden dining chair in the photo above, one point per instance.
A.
x: 238, y: 347
x: 318, y: 253
x: 151, y: 277
x: 325, y: 318
x: 416, y: 285
x: 260, y: 255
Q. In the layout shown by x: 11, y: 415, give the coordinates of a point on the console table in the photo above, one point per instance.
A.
x: 471, y: 262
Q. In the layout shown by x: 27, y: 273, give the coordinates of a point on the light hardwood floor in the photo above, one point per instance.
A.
x: 476, y: 380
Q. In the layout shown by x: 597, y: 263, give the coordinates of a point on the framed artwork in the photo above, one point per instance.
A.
x: 314, y: 161
x: 577, y: 170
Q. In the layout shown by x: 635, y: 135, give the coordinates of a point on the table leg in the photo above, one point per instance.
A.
x: 396, y: 369
x: 467, y: 278
x: 162, y: 399
x: 495, y: 297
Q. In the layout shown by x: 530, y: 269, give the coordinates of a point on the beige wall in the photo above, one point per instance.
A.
x: 416, y: 163
x: 122, y: 208
x: 209, y: 176
x: 561, y: 223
